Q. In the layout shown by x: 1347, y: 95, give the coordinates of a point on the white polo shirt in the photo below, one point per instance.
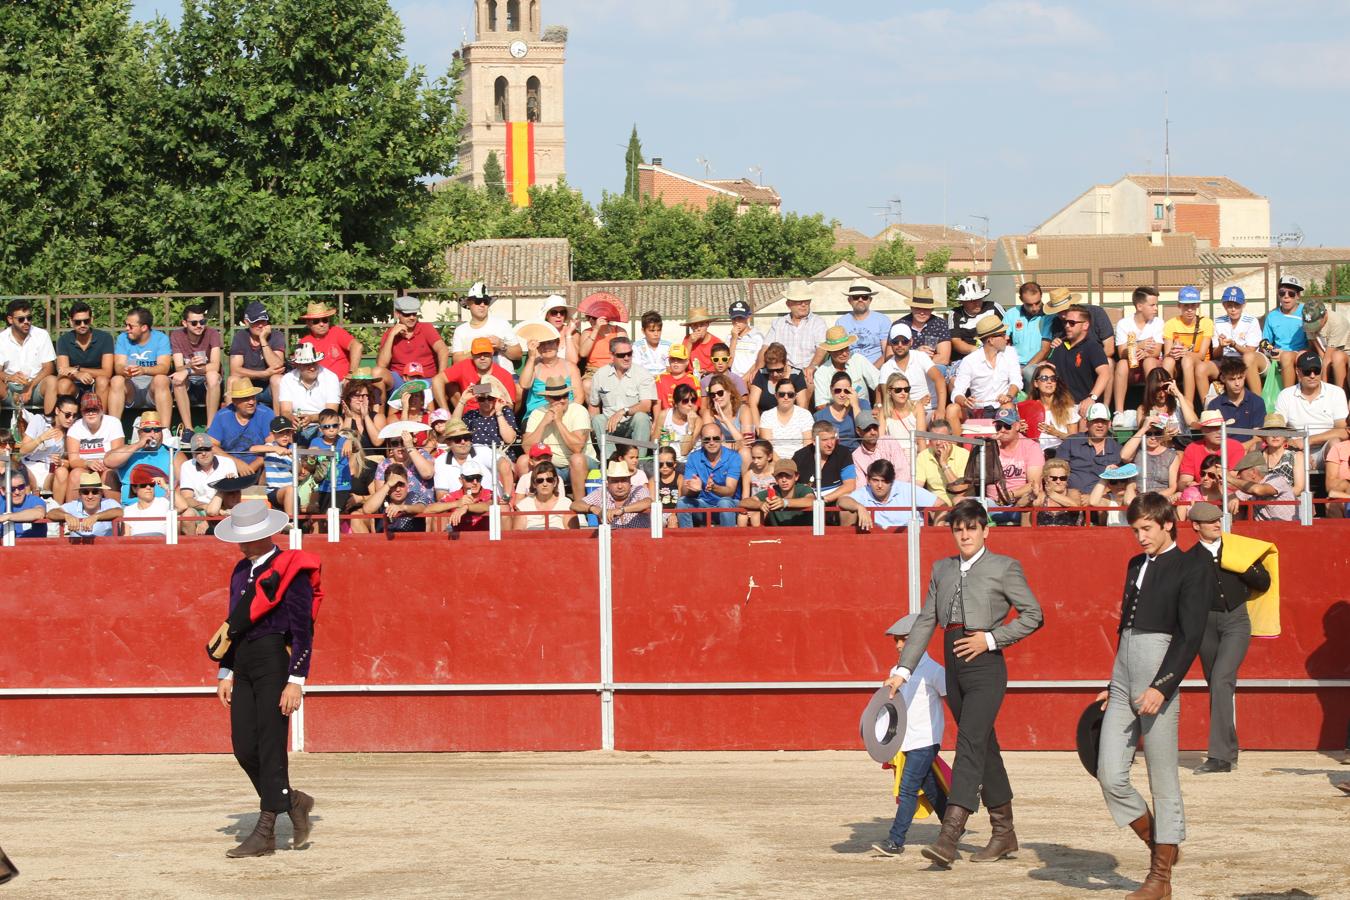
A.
x: 923, y: 694
x: 987, y: 382
x: 27, y: 358
x: 307, y: 400
x: 493, y: 326
x: 191, y: 478
x: 1318, y: 414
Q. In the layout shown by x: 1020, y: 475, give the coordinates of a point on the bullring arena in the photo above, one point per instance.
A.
x: 726, y: 671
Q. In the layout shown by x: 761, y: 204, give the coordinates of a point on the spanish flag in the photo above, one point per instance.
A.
x: 519, y: 161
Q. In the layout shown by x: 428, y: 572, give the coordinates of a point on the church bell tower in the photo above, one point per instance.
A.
x: 512, y: 97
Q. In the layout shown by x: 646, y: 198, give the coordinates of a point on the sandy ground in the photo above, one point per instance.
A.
x: 640, y: 825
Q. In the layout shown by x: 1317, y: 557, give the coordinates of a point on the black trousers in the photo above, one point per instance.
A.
x: 1222, y: 649
x: 258, y: 730
x: 975, y: 692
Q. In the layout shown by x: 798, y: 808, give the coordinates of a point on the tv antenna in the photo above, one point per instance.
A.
x: 758, y: 172
x: 706, y: 164
x: 891, y: 212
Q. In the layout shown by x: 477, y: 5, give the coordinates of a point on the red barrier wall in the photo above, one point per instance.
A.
x: 719, y: 606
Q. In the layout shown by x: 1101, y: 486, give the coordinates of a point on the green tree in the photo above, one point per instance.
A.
x: 494, y: 180
x: 892, y: 258
x: 296, y: 139
x: 632, y: 158
x: 936, y: 261
x: 611, y: 252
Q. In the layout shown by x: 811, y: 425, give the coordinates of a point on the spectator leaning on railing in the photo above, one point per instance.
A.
x: 92, y: 514
x: 786, y: 502
x: 27, y: 511
x: 627, y: 506
x: 1253, y: 481
x: 883, y: 489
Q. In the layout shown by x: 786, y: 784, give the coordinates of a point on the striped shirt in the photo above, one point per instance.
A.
x: 278, y: 470
x: 800, y: 340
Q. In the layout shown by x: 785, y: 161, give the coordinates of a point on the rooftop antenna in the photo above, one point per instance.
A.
x: 706, y: 164
x: 1167, y: 165
x: 985, y: 247
x: 758, y: 172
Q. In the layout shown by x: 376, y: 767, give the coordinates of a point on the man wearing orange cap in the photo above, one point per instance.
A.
x: 481, y: 366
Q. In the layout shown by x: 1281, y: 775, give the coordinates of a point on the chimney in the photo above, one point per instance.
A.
x: 656, y: 160
x: 1155, y: 238
x: 1033, y: 251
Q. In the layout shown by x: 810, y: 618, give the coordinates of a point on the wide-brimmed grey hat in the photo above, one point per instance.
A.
x: 903, y: 626
x: 251, y: 520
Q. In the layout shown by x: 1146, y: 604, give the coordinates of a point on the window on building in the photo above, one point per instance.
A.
x: 500, y: 106
x: 492, y: 15
x: 534, y: 103
x: 512, y: 15
x: 1158, y: 211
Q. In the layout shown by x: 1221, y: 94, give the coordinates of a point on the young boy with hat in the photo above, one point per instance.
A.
x: 924, y: 721
x: 746, y: 342
x: 677, y: 373
x: 699, y: 342
x: 1284, y: 327
x: 1237, y: 335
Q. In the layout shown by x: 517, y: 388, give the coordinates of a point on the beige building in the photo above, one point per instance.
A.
x: 513, y: 94
x: 1217, y: 210
x: 967, y: 252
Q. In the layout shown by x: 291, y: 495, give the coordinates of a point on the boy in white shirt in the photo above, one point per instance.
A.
x: 923, y: 694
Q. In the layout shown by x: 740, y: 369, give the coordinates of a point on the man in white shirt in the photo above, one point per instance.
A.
x: 1315, y: 405
x: 745, y: 341
x: 987, y: 379
x: 309, y: 388
x: 918, y: 368
x: 1139, y: 346
x: 1235, y: 334
x: 800, y: 332
x: 480, y: 324
x: 196, y: 497
x: 924, y: 721
x: 27, y: 359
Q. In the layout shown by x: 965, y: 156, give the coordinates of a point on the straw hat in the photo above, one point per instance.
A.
x: 556, y: 387
x: 363, y: 373
x: 1212, y: 418
x: 798, y: 292
x: 251, y: 520
x: 618, y: 469
x: 1276, y: 422
x: 698, y: 315
x: 317, y: 309
x: 860, y: 288
x: 990, y: 326
x: 1060, y: 299
x: 923, y: 299
x: 242, y: 389
x: 91, y: 479
x: 837, y: 338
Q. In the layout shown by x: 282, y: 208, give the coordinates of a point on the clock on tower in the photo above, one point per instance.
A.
x: 513, y: 97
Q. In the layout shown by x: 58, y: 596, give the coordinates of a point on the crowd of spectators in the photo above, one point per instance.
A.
x: 1067, y: 412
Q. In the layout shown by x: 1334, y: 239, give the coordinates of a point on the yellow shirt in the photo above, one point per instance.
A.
x: 928, y: 474
x: 1193, y: 338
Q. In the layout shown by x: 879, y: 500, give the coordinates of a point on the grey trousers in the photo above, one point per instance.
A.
x: 1227, y: 636
x: 1137, y: 660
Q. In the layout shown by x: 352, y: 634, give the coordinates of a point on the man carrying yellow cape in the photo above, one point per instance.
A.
x: 1246, y: 605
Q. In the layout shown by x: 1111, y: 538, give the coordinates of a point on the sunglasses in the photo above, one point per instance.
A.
x: 711, y: 440
x: 187, y: 322
x: 1047, y: 378
x: 23, y: 487
x: 840, y: 391
x: 478, y: 301
x: 1057, y: 478
x: 778, y: 371
x: 688, y: 401
x: 91, y: 490
x: 78, y: 322
x: 899, y: 390
x: 460, y: 439
x: 667, y: 465
x: 150, y: 429
x: 546, y: 479
x: 414, y: 315
x: 1316, y: 371
x: 471, y: 478
x: 1288, y: 293
x: 22, y: 318
x: 557, y: 311
x: 721, y: 359
x: 324, y: 321
x: 999, y: 426
x: 334, y: 426
x: 623, y: 355
x: 787, y: 396
x: 717, y: 393
x: 137, y: 487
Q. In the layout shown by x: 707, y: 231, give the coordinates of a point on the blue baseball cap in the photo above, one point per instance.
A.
x: 1188, y: 294
x: 1005, y: 417
x: 1234, y: 295
x: 739, y: 309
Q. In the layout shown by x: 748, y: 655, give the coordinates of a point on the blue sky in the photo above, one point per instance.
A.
x: 1006, y: 109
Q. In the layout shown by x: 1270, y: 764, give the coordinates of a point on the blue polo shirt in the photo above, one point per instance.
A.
x: 235, y: 439
x: 26, y: 529
x: 1285, y: 331
x: 728, y: 466
x: 872, y: 333
x: 1027, y: 332
x: 1250, y: 413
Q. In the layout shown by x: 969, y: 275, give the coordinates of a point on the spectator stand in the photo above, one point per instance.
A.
x: 1210, y: 277
x: 365, y: 313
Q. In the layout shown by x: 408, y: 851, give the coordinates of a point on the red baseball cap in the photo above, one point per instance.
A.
x: 539, y: 451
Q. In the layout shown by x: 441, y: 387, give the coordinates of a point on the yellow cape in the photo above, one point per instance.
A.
x: 1239, y: 553
x: 940, y: 771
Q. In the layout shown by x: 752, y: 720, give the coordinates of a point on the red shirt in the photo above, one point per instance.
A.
x: 666, y: 384
x: 334, y: 346
x: 416, y: 349
x: 1196, y: 451
x: 701, y: 353
x: 463, y: 374
x: 472, y: 521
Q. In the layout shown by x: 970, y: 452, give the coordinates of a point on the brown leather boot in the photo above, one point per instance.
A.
x: 943, y: 851
x: 301, y: 804
x: 1002, y: 839
x: 1143, y: 826
x: 262, y: 842
x: 1158, y: 884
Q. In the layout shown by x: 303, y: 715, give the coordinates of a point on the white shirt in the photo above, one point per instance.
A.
x: 447, y: 470
x: 306, y: 400
x: 95, y: 445
x: 36, y: 426
x: 748, y: 346
x: 860, y: 371
x: 923, y: 693
x: 1212, y: 548
x: 493, y: 326
x: 653, y: 359
x: 988, y: 382
x: 154, y: 516
x: 917, y: 364
x: 1246, y: 333
x: 1321, y: 413
x: 192, y: 478
x: 27, y: 358
x: 1129, y: 327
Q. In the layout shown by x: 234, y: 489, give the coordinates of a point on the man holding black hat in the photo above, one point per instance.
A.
x: 1228, y: 632
x: 969, y: 597
x: 264, y: 650
x: 924, y: 721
